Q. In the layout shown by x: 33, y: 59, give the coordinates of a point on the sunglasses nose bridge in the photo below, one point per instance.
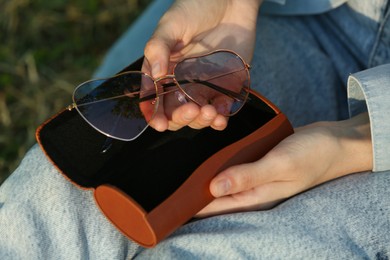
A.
x: 165, y: 78
x: 166, y: 84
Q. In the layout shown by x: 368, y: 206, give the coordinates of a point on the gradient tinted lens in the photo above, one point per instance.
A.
x: 120, y: 106
x: 220, y: 79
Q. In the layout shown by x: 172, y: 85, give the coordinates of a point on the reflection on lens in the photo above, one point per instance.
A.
x: 220, y: 79
x: 113, y: 106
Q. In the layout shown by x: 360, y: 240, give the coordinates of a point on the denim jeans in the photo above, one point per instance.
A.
x: 302, y: 64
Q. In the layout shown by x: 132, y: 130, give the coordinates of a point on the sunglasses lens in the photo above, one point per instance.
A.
x: 120, y: 106
x: 220, y: 79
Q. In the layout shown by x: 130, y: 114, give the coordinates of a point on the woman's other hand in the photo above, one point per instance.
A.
x: 312, y: 155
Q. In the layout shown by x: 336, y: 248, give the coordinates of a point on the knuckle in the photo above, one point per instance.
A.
x: 149, y: 50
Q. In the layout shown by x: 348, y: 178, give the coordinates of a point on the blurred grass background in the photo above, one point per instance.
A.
x: 47, y: 47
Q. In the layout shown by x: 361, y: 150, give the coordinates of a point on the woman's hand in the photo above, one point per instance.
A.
x: 193, y: 27
x: 313, y: 155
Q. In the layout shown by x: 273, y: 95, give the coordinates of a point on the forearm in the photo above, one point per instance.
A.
x: 248, y: 9
x: 243, y: 13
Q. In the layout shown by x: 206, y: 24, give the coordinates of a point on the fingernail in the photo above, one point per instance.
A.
x: 222, y: 187
x: 156, y: 69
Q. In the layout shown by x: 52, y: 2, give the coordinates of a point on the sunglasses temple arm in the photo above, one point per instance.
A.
x: 153, y: 96
x: 106, y: 145
x: 225, y: 91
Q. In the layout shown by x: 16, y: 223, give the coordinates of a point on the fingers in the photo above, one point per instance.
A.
x: 159, y: 121
x: 157, y: 54
x: 197, y: 117
x: 245, y: 191
x: 184, y: 115
x: 260, y: 198
x: 190, y: 115
x: 239, y: 178
x: 253, y: 186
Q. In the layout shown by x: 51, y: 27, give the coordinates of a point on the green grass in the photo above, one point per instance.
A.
x: 47, y: 47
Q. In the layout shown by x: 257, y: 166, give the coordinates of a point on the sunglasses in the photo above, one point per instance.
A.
x: 121, y: 106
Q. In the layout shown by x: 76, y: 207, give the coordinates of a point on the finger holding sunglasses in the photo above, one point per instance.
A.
x: 201, y: 91
x: 197, y: 117
x: 209, y: 112
x: 170, y: 106
x: 174, y: 110
x: 174, y: 116
x: 191, y: 28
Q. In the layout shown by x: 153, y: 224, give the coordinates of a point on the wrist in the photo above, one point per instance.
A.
x: 354, y: 136
x: 242, y: 16
x: 246, y: 10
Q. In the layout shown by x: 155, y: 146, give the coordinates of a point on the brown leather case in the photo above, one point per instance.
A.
x: 151, y: 186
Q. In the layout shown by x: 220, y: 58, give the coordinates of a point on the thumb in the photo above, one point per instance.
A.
x: 240, y: 178
x: 158, y: 50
